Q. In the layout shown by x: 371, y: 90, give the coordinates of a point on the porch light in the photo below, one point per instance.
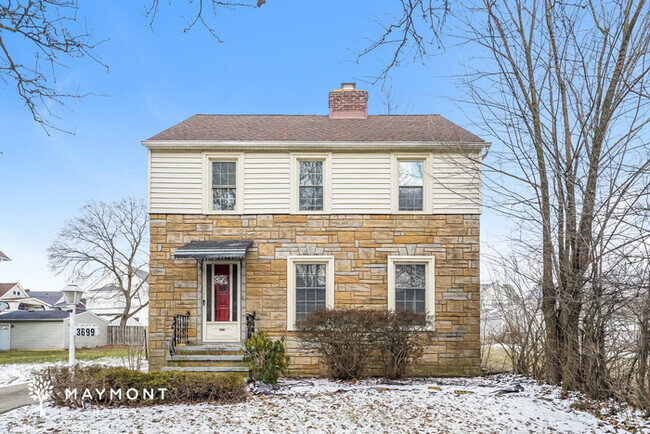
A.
x: 72, y: 295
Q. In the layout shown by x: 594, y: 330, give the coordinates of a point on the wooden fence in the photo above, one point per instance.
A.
x: 127, y: 335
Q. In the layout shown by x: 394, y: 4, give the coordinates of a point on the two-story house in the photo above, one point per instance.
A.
x: 105, y: 299
x: 280, y: 215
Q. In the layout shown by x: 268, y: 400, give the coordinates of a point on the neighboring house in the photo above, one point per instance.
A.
x: 14, y: 297
x: 49, y: 329
x: 506, y: 308
x: 280, y: 215
x: 493, y: 306
x: 4, y: 257
x: 53, y: 298
x: 104, y: 298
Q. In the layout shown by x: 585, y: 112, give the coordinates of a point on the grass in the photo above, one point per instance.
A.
x: 495, y: 359
x: 38, y: 356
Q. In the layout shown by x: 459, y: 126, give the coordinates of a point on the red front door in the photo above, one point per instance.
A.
x: 222, y: 292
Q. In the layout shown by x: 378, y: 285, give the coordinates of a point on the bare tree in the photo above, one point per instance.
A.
x: 202, y: 12
x: 409, y: 33
x: 40, y: 38
x: 106, y: 237
x: 562, y: 87
x: 390, y: 102
x: 514, y: 308
x: 569, y: 102
x: 37, y: 39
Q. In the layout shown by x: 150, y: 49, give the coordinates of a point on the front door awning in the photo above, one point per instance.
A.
x: 230, y: 249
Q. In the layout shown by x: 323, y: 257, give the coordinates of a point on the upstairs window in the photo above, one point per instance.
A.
x: 310, y: 188
x: 410, y: 185
x: 224, y: 185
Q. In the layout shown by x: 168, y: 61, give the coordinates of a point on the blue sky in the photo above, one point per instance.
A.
x: 282, y: 58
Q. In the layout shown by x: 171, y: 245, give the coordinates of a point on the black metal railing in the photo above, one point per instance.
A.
x: 250, y: 324
x: 180, y: 332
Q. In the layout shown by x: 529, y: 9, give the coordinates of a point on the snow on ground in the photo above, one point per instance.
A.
x: 18, y: 373
x: 318, y: 405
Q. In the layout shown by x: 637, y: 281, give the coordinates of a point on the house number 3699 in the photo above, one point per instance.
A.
x: 85, y: 331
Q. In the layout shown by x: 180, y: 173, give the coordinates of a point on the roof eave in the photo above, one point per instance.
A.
x: 347, y: 145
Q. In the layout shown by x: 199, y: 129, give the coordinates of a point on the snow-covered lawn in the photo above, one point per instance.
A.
x: 447, y: 405
x: 17, y: 373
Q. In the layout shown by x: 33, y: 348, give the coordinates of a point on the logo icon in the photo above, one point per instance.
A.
x: 40, y: 390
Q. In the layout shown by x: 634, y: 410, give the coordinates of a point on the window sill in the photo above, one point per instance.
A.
x: 413, y: 212
x: 211, y: 212
x: 321, y: 212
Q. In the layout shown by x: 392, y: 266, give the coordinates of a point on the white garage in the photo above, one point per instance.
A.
x: 49, y: 330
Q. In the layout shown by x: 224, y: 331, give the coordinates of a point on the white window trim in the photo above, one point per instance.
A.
x: 291, y: 284
x: 427, y: 181
x: 430, y: 291
x: 296, y: 158
x: 208, y: 158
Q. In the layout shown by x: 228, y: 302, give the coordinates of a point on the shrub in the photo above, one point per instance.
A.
x: 181, y: 387
x: 340, y: 337
x: 347, y: 339
x: 399, y: 339
x: 266, y: 358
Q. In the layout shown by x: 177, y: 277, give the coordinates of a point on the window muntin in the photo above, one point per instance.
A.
x: 311, y: 288
x: 410, y: 287
x: 410, y: 185
x: 405, y: 285
x: 310, y: 281
x: 224, y: 185
x: 310, y: 190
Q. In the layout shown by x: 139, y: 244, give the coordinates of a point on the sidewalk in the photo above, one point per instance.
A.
x: 12, y: 397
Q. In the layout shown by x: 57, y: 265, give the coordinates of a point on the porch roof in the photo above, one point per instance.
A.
x: 230, y: 249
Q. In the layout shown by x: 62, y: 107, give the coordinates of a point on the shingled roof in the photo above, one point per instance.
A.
x: 313, y: 128
x: 4, y: 287
x: 36, y: 315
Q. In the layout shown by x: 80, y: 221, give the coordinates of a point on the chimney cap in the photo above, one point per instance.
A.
x: 348, y: 86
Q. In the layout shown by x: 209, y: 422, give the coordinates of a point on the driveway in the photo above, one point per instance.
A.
x: 12, y: 397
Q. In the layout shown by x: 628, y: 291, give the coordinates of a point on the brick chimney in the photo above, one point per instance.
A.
x: 348, y: 102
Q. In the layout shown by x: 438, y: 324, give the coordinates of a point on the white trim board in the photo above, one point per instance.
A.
x: 291, y: 283
x: 430, y: 293
x: 282, y: 145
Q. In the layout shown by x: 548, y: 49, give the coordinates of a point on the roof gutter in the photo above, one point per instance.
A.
x: 283, y: 145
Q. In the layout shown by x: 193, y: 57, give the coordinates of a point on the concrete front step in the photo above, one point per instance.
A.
x: 217, y: 349
x: 205, y: 358
x: 206, y: 368
x: 199, y: 364
x: 219, y: 357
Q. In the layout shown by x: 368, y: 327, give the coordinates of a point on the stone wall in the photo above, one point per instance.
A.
x: 360, y: 245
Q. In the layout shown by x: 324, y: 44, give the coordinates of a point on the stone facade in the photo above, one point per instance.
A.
x: 360, y: 245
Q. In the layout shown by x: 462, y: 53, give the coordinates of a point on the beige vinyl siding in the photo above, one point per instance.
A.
x: 175, y: 182
x: 456, y: 184
x: 267, y: 183
x: 36, y: 335
x: 361, y: 183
